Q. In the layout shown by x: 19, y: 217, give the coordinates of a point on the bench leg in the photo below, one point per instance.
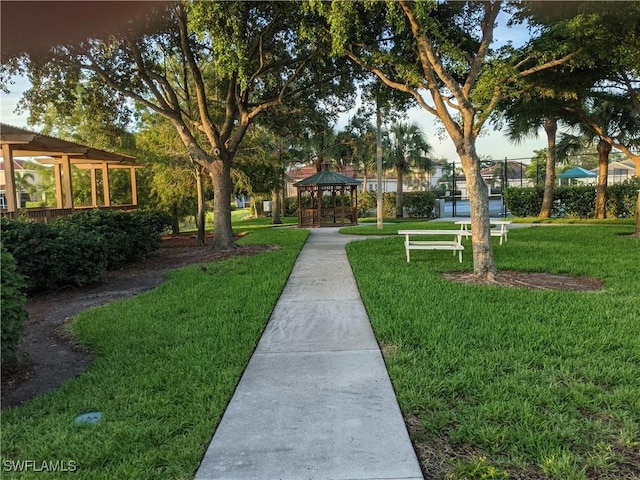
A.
x: 407, y: 254
x: 459, y: 254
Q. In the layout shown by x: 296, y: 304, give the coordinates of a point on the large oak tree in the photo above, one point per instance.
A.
x: 210, y: 71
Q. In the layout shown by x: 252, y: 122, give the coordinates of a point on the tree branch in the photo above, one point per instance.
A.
x: 209, y: 128
x: 551, y: 64
x: 491, y: 11
x: 390, y: 83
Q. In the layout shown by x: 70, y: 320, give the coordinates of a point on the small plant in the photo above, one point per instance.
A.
x: 477, y: 469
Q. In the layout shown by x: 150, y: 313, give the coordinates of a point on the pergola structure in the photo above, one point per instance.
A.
x: 327, y: 199
x: 62, y: 155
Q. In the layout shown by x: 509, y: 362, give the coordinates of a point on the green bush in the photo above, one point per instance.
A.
x: 419, y: 204
x: 622, y: 198
x: 574, y: 201
x: 12, y: 309
x: 524, y: 202
x: 368, y: 203
x: 129, y: 236
x: 577, y: 202
x: 291, y: 206
x: 51, y: 257
x: 77, y: 250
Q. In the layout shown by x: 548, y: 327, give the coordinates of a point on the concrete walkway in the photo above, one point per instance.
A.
x: 315, y: 401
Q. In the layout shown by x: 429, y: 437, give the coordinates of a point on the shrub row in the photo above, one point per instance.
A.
x: 418, y: 204
x: 12, y: 305
x: 574, y: 201
x: 77, y: 250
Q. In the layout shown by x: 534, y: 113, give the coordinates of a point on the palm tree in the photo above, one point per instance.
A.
x: 23, y: 184
x: 605, y: 123
x: 406, y: 148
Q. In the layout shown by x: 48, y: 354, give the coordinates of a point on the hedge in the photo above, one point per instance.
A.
x: 12, y: 306
x: 77, y: 250
x: 574, y: 201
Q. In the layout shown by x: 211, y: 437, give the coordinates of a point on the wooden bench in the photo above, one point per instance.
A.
x: 455, y: 245
x: 502, y: 231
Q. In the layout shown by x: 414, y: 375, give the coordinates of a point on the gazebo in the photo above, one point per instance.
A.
x: 327, y: 199
x: 62, y: 155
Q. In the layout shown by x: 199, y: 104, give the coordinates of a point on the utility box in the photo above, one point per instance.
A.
x: 266, y: 206
x: 439, y: 209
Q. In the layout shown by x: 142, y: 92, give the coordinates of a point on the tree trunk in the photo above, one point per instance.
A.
x: 483, y: 262
x: 175, y: 219
x: 201, y: 214
x: 601, y: 190
x: 222, y: 231
x: 399, y: 188
x: 275, y: 210
x: 551, y: 127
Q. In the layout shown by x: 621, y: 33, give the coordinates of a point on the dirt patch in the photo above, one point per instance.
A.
x: 48, y: 355
x: 530, y: 280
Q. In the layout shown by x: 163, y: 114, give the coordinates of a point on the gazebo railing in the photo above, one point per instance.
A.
x: 47, y: 214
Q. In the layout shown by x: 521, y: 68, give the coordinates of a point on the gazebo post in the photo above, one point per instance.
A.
x: 10, y: 179
x: 67, y: 181
x: 94, y: 187
x: 105, y: 185
x: 134, y: 186
x: 57, y: 177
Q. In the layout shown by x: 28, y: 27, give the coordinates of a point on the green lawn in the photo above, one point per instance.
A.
x: 539, y: 382
x: 167, y: 363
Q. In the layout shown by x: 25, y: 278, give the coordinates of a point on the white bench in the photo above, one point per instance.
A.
x: 455, y: 245
x: 501, y: 232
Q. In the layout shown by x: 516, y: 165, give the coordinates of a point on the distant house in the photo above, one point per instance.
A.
x: 515, y: 175
x: 619, y: 172
x: 20, y: 167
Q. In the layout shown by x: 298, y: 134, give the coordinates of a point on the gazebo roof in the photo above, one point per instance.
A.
x: 328, y: 178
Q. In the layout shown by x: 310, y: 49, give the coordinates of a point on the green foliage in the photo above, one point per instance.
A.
x: 524, y: 202
x: 128, y: 237
x: 291, y: 206
x: 574, y: 201
x: 419, y: 203
x: 622, y: 199
x: 478, y: 469
x: 367, y: 204
x: 77, y: 250
x: 12, y: 305
x: 51, y: 257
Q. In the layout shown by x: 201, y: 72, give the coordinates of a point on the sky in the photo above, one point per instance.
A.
x: 493, y: 144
